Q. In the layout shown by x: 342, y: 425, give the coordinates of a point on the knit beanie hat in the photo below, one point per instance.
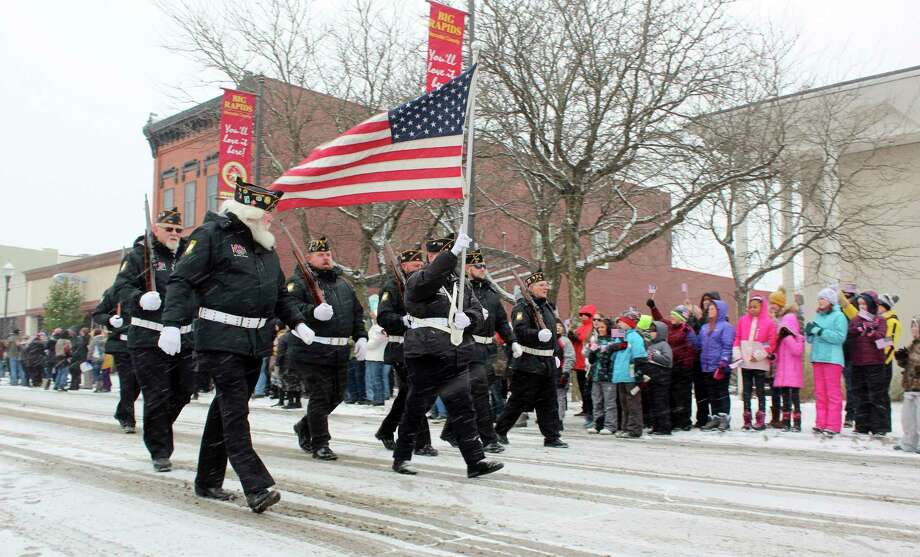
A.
x: 681, y: 314
x: 645, y: 322
x: 778, y: 297
x: 888, y: 300
x: 829, y: 294
x: 628, y: 320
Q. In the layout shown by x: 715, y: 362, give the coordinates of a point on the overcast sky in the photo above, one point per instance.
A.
x: 78, y: 87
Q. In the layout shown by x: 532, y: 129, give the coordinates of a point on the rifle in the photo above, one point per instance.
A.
x: 148, y: 250
x: 304, y: 268
x: 528, y: 299
x: 397, y: 270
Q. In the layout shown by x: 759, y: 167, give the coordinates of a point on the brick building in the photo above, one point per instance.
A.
x: 185, y: 174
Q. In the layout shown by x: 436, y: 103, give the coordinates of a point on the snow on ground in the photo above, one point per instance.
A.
x: 72, y: 484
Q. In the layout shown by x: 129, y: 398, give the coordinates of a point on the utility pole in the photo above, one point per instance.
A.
x: 257, y: 171
x: 472, y: 177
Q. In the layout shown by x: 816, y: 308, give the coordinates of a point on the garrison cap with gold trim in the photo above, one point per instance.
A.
x: 255, y: 196
x: 474, y: 257
x: 320, y: 244
x: 441, y: 244
x: 170, y: 216
x: 410, y: 255
x: 535, y: 277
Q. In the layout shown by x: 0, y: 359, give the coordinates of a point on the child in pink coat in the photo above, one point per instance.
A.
x: 755, y: 338
x: 790, y: 344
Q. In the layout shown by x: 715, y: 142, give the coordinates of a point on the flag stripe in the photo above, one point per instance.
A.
x: 337, y: 160
x: 451, y: 171
x: 434, y: 154
x: 371, y: 196
x: 391, y: 185
x: 331, y: 151
x: 288, y: 183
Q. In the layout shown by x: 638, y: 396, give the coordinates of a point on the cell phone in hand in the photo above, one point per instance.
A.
x: 617, y: 333
x: 652, y: 289
x: 684, y: 288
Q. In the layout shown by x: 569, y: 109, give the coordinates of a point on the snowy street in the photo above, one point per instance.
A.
x: 72, y: 484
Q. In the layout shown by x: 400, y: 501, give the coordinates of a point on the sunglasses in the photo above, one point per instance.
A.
x: 479, y: 266
x: 597, y: 320
x: 176, y: 229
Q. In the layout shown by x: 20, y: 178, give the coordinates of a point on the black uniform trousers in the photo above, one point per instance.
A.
x: 398, y: 408
x: 327, y: 390
x: 537, y: 391
x: 681, y: 393
x: 430, y: 376
x: 482, y: 405
x: 873, y: 405
x: 128, y: 388
x: 167, y: 383
x: 659, y: 398
x: 701, y: 394
x: 226, y: 432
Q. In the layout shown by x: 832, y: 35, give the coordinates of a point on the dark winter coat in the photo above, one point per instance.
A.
x: 131, y: 284
x: 390, y: 312
x: 681, y: 339
x: 33, y: 355
x: 226, y: 270
x: 117, y: 342
x: 600, y: 356
x: 347, y: 318
x: 526, y: 329
x: 497, y: 321
x: 697, y: 324
x: 862, y: 335
x: 909, y: 359
x: 428, y: 296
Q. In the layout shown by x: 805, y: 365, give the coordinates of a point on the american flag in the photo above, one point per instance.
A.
x: 411, y: 152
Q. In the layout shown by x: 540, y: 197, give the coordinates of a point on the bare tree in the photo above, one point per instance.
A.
x: 596, y: 104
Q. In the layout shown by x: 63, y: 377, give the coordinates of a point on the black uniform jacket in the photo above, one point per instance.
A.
x: 347, y: 318
x: 390, y: 312
x: 108, y: 307
x: 497, y: 321
x: 226, y: 270
x: 526, y: 330
x: 131, y: 284
x: 427, y: 296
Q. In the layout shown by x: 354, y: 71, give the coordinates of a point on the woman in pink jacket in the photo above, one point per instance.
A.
x: 790, y: 344
x: 755, y: 338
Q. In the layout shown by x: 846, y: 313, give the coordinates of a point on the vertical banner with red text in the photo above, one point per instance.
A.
x: 445, y: 45
x: 237, y: 115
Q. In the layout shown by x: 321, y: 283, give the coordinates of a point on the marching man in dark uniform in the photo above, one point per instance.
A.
x: 533, y: 366
x: 324, y: 363
x: 231, y: 268
x: 484, y: 353
x: 391, y: 315
x: 437, y: 350
x: 167, y: 381
x: 107, y: 313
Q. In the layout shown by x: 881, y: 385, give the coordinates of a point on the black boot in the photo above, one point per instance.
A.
x: 403, y: 467
x: 214, y: 493
x: 261, y: 501
x: 482, y: 468
x: 387, y: 440
x: 426, y: 450
x: 293, y: 400
x: 303, y: 438
x: 324, y: 453
x: 281, y: 397
x: 555, y: 443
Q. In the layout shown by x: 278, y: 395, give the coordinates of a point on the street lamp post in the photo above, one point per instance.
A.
x: 8, y: 271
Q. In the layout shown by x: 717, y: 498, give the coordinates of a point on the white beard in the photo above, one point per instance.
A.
x: 252, y: 218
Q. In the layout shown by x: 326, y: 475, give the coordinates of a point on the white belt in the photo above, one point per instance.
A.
x: 123, y: 337
x: 483, y: 340
x: 154, y: 326
x: 229, y: 319
x: 439, y: 323
x: 396, y: 339
x: 535, y: 352
x: 331, y: 341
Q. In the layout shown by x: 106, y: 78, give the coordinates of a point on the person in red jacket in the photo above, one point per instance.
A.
x: 579, y: 336
x: 681, y: 339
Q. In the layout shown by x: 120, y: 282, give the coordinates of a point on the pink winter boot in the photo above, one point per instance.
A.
x: 759, y: 426
x: 747, y: 421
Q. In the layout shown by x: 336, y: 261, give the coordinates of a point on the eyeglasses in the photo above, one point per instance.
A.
x: 597, y: 320
x: 479, y: 266
x: 175, y: 229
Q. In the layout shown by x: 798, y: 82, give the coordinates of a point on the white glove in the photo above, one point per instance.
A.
x: 544, y: 335
x: 304, y: 333
x: 461, y: 243
x: 462, y: 321
x: 485, y: 314
x: 517, y: 350
x: 150, y: 301
x: 361, y: 349
x: 323, y: 312
x: 170, y: 339
x: 407, y: 321
x: 116, y: 321
x: 86, y: 366
x: 556, y: 359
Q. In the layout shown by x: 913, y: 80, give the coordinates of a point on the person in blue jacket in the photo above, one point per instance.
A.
x: 714, y: 343
x: 628, y: 380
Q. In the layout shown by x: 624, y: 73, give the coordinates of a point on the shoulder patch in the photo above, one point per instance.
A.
x: 290, y: 287
x: 190, y: 247
x: 519, y: 316
x: 385, y: 297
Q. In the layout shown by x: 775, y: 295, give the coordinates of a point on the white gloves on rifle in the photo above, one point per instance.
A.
x: 323, y: 312
x: 556, y: 359
x: 304, y: 333
x: 462, y: 321
x: 407, y: 321
x: 170, y: 340
x: 151, y: 301
x: 461, y: 243
x: 361, y: 349
x: 544, y: 335
x: 517, y: 350
x: 116, y: 321
x: 485, y: 314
